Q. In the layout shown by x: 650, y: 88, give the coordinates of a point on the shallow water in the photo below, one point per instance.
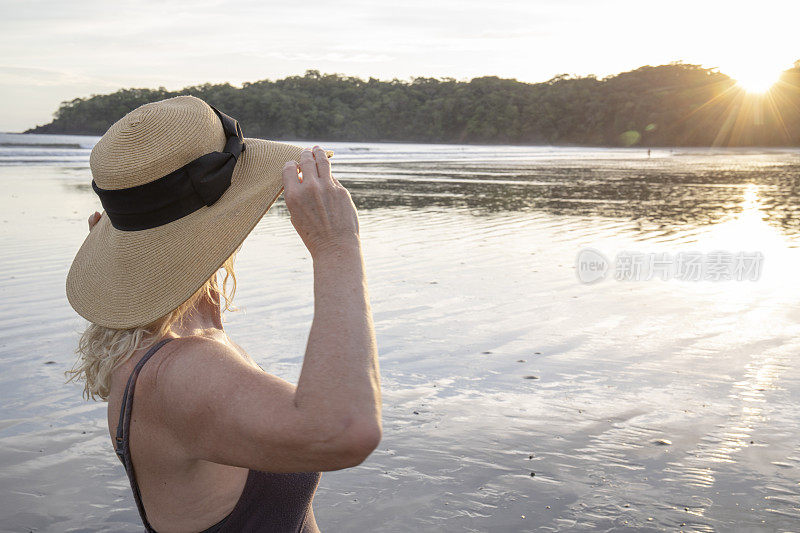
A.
x: 471, y: 256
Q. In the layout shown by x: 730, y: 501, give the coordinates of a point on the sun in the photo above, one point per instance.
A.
x: 756, y: 79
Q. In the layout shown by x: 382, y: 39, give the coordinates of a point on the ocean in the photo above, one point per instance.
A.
x: 570, y: 339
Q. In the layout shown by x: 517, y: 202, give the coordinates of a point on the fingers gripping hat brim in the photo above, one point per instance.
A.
x: 125, y: 279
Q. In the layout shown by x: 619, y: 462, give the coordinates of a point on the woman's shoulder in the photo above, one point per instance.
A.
x: 175, y: 373
x: 195, y: 356
x: 187, y: 376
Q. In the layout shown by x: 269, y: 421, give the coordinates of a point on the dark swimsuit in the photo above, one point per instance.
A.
x: 269, y: 502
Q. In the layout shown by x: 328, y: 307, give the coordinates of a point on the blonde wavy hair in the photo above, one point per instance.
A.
x: 101, y: 350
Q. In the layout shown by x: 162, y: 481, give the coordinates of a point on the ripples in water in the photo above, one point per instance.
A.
x: 652, y: 405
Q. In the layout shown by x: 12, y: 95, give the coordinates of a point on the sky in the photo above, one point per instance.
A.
x: 56, y: 50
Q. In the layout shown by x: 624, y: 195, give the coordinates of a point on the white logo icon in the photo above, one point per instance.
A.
x: 591, y: 266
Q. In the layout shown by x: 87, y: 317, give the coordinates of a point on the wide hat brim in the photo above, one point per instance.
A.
x: 126, y: 279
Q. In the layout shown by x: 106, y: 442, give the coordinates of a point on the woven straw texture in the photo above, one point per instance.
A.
x: 124, y: 279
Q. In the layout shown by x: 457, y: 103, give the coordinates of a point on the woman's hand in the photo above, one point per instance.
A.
x: 94, y: 218
x: 321, y: 208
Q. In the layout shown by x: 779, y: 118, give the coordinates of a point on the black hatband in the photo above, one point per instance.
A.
x: 181, y: 192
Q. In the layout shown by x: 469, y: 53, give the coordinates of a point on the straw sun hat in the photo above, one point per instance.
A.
x: 181, y: 189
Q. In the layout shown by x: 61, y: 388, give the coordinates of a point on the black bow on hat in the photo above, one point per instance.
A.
x: 197, y: 184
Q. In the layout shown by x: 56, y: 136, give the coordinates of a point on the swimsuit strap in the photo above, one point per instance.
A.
x: 121, y: 443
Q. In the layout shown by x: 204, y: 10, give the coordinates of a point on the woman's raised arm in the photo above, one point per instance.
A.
x: 340, y: 379
x: 248, y: 418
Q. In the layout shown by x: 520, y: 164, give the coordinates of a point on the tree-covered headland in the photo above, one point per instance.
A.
x: 669, y: 105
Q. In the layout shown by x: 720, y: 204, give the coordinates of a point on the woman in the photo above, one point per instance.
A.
x: 211, y: 442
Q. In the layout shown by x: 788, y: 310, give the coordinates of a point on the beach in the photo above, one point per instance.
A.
x: 515, y: 396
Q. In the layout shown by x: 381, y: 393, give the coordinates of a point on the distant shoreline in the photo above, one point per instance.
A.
x: 678, y: 105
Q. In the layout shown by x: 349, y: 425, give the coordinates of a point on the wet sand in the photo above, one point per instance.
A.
x: 651, y: 404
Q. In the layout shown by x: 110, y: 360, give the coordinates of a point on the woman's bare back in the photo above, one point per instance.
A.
x: 179, y: 493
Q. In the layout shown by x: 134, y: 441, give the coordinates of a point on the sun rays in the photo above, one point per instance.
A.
x: 750, y: 110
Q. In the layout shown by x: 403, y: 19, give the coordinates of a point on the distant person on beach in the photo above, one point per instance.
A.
x: 211, y: 442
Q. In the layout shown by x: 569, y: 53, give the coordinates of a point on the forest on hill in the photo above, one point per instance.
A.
x: 669, y: 105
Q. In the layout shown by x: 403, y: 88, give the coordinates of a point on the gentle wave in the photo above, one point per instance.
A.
x: 45, y: 142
